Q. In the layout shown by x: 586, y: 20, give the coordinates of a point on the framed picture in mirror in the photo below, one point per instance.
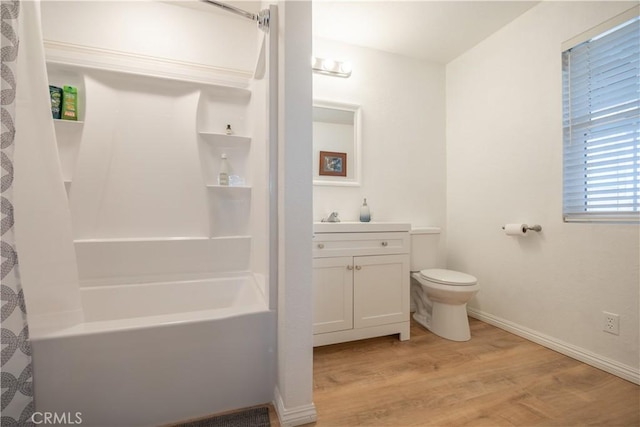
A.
x: 332, y: 163
x: 336, y: 144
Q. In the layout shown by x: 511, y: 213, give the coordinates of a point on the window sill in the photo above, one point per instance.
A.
x: 610, y: 218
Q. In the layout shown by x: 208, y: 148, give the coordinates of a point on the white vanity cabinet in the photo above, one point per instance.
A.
x: 332, y: 294
x: 360, y: 281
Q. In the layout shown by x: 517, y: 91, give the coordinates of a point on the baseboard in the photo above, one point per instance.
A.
x: 611, y: 366
x: 291, y: 417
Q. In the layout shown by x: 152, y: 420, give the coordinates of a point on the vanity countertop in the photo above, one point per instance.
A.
x: 359, y: 227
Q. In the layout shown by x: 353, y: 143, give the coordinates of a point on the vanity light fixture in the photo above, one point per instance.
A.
x: 331, y: 67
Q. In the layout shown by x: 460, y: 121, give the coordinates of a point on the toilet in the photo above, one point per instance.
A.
x: 439, y: 296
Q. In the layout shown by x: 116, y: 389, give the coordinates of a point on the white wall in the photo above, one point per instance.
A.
x: 504, y: 164
x: 403, y: 135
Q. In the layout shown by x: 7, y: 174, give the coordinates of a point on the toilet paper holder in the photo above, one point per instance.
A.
x: 526, y: 227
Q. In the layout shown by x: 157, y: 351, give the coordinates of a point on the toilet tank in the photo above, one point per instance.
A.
x: 425, y: 248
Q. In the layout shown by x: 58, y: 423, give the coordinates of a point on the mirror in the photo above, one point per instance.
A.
x: 336, y: 144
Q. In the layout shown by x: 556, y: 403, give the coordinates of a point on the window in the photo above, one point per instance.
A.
x: 601, y: 123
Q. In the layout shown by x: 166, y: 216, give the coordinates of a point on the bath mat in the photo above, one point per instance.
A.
x: 254, y: 417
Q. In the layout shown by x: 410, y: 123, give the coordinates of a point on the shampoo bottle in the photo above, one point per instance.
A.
x: 56, y: 101
x: 365, y: 214
x: 223, y: 176
x: 69, y: 103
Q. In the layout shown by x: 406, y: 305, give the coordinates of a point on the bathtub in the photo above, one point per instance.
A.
x: 155, y: 353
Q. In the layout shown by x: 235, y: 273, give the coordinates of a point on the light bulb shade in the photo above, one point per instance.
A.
x: 346, y: 67
x: 331, y: 67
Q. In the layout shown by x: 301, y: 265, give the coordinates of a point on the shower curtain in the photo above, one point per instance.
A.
x: 16, y: 379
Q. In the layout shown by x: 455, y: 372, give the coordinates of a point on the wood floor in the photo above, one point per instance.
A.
x: 496, y: 379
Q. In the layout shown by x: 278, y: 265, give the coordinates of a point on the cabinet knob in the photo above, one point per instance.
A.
x: 349, y: 267
x: 385, y: 244
x: 358, y: 267
x: 320, y: 245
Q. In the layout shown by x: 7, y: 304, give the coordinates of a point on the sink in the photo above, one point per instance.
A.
x: 359, y: 227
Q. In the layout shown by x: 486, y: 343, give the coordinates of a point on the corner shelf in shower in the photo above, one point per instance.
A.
x: 239, y: 237
x: 71, y: 122
x: 229, y: 187
x: 130, y: 242
x: 224, y: 139
x: 139, y: 239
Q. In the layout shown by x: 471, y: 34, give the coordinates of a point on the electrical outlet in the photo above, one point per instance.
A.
x: 611, y: 323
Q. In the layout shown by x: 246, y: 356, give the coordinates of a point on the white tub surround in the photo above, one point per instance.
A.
x: 360, y: 281
x: 189, y: 300
x: 43, y: 226
x: 126, y: 261
x: 176, y: 272
x: 178, y: 343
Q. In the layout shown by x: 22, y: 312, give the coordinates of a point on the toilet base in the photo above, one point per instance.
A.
x: 450, y: 321
x: 453, y: 327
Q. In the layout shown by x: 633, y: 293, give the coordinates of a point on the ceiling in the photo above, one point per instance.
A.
x: 433, y: 30
x: 426, y: 29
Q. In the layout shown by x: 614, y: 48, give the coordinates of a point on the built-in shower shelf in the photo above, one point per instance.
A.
x: 221, y: 138
x: 138, y: 239
x: 159, y: 239
x: 230, y: 187
x: 239, y: 237
x: 71, y: 122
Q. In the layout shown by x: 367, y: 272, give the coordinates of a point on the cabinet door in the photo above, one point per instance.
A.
x: 381, y: 290
x: 332, y: 294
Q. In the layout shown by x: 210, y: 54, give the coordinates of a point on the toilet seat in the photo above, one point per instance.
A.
x: 448, y: 277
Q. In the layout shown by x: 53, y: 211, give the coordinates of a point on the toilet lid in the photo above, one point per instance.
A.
x: 448, y: 277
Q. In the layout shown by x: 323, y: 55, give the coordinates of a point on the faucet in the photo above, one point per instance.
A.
x: 333, y: 217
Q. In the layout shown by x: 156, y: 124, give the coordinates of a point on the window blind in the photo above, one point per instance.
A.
x: 601, y: 126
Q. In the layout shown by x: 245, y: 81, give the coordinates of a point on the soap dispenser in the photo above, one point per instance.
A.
x: 365, y: 214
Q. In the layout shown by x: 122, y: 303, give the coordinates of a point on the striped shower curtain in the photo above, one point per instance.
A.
x: 16, y: 379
